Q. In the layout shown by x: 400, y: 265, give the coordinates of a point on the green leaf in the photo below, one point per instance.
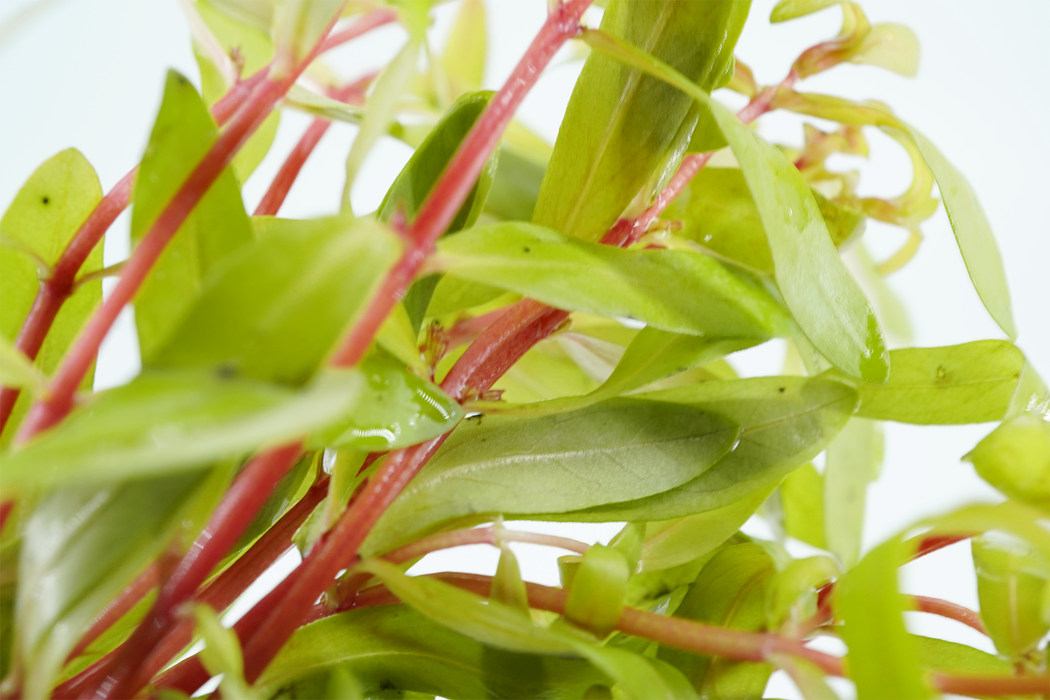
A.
x: 297, y: 25
x: 276, y: 308
x: 790, y: 9
x: 968, y: 383
x: 882, y: 656
x: 319, y: 105
x: 730, y: 592
x: 824, y: 299
x: 397, y: 337
x: 891, y: 46
x: 791, y: 599
x: 396, y: 409
x: 507, y: 585
x: 719, y: 214
x: 421, y: 174
x: 671, y: 543
x: 597, y: 592
x: 613, y: 451
x: 18, y: 371
x: 784, y: 422
x: 621, y: 127
x: 973, y: 234
x: 802, y: 501
x: 806, y: 675
x: 395, y: 645
x: 463, y: 61
x: 182, y: 134
x: 672, y: 290
x: 35, y: 229
x: 83, y: 545
x: 655, y: 354
x: 1013, y: 583
x: 853, y: 461
x: 221, y: 653
x: 950, y: 657
x: 174, y: 421
x: 516, y: 184
x: 1015, y: 458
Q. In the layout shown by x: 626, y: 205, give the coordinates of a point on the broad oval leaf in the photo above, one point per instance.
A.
x: 622, y: 126
x: 1013, y: 583
x: 973, y: 233
x: 275, y: 308
x: 395, y: 645
x: 784, y: 422
x: 730, y: 592
x: 673, y: 290
x: 182, y: 134
x: 35, y: 229
x: 613, y: 451
x: 1015, y: 458
x: 396, y: 409
x: 968, y: 383
x: 174, y: 421
x: 83, y: 545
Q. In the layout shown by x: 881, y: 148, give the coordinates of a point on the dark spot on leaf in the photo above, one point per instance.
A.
x: 387, y: 685
x: 182, y: 80
x: 226, y: 371
x: 783, y: 389
x: 527, y: 249
x: 46, y: 199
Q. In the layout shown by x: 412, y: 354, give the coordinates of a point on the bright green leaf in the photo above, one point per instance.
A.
x: 950, y: 657
x: 164, y: 422
x: 221, y: 653
x: 276, y: 308
x: 853, y: 461
x: 397, y: 337
x: 396, y: 409
x: 621, y: 127
x: 730, y: 592
x: 973, y: 233
x: 791, y: 599
x: 802, y: 501
x: 1012, y: 582
x: 297, y: 26
x: 182, y: 134
x: 882, y: 656
x: 597, y: 592
x: 790, y: 9
x: 673, y: 290
x: 322, y: 106
x: 613, y: 451
x: 1015, y: 458
x: 35, y: 229
x: 17, y: 370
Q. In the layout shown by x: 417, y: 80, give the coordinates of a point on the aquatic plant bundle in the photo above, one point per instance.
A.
x: 520, y: 331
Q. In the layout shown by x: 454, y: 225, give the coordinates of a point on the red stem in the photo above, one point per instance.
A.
x: 982, y: 686
x: 926, y: 545
x: 286, y: 176
x: 952, y: 611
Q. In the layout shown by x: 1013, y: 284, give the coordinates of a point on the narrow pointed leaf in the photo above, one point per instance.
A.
x: 17, y: 370
x: 464, y: 58
x: 852, y: 462
x: 182, y: 135
x: 672, y: 290
x: 622, y: 126
x: 790, y: 9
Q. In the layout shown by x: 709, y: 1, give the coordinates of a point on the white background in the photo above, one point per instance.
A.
x: 88, y: 74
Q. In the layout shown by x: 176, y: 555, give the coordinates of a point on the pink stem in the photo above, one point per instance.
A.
x: 952, y: 611
x: 479, y: 535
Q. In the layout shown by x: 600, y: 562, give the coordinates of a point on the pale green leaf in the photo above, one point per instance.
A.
x: 790, y: 9
x: 278, y: 306
x: 613, y: 451
x: 1012, y: 586
x: 182, y: 134
x: 852, y: 462
x: 597, y: 592
x: 973, y: 234
x: 791, y: 598
x: 806, y: 675
x: 950, y: 657
x: 464, y: 58
x: 1015, y: 458
x: 322, y: 106
x: 890, y: 46
x: 221, y: 653
x: 621, y: 127
x: 18, y: 371
x: 673, y: 290
x: 164, y: 422
x: 397, y: 337
x: 297, y: 26
x: 802, y: 502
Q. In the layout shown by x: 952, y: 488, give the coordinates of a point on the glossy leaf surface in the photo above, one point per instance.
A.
x: 882, y: 656
x: 182, y: 135
x: 35, y: 229
x: 778, y: 431
x: 968, y: 383
x: 173, y: 421
x: 396, y: 409
x: 276, y: 308
x: 730, y: 592
x: 613, y: 451
x: 973, y: 233
x: 621, y: 126
x: 671, y: 290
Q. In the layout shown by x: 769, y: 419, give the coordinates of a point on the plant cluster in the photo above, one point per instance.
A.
x: 518, y: 331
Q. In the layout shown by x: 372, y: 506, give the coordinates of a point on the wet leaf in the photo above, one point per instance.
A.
x: 730, y: 592
x: 276, y: 308
x: 182, y: 134
x: 671, y: 290
x: 973, y: 234
x: 164, y: 422
x: 967, y: 383
x: 613, y: 451
x: 396, y: 409
x: 41, y: 220
x: 621, y: 126
x: 1012, y: 586
x: 882, y: 655
x: 1015, y: 458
